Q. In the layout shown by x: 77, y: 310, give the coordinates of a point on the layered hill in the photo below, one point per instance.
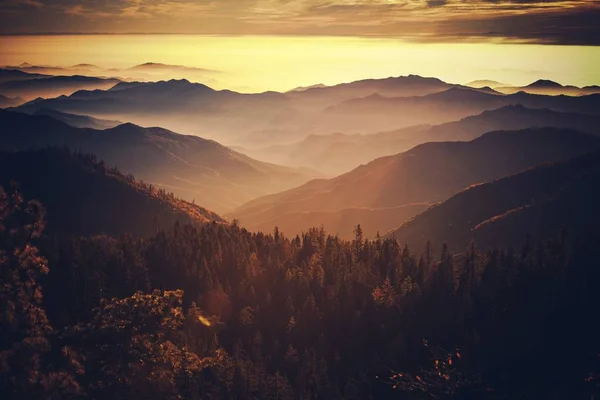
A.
x: 401, y: 86
x: 268, y: 118
x: 230, y: 116
x: 481, y: 83
x: 428, y: 173
x: 379, y: 113
x: 36, y: 86
x: 337, y: 153
x: 176, y: 104
x: 550, y: 88
x: 78, y: 121
x: 6, y: 102
x: 536, y: 203
x: 191, y: 167
x: 14, y: 75
x: 83, y: 197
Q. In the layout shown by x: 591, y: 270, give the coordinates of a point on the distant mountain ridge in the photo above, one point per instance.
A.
x: 227, y: 115
x: 411, y: 177
x: 381, y: 113
x: 78, y: 121
x: 150, y: 66
x: 364, y: 107
x: 19, y: 84
x: 339, y: 152
x: 6, y: 102
x: 485, y: 82
x: 549, y: 87
x: 11, y: 75
x: 176, y: 104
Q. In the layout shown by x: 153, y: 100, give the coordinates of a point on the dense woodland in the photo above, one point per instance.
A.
x: 213, y: 311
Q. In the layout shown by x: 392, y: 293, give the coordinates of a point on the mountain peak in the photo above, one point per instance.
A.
x: 481, y: 83
x: 459, y: 92
x: 180, y: 81
x: 415, y: 76
x: 84, y: 65
x: 544, y: 83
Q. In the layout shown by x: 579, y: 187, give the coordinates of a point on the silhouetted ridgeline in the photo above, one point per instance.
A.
x: 84, y: 197
x: 367, y: 106
x: 30, y: 86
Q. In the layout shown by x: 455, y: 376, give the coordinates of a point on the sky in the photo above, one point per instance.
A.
x: 268, y: 62
x: 562, y: 22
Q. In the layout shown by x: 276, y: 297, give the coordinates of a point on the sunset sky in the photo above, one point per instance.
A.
x: 541, y: 21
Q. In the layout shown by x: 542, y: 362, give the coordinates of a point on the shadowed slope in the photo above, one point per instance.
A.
x: 83, y: 197
x: 536, y: 202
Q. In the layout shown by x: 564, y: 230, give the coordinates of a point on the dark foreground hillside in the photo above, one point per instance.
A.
x: 83, y: 196
x: 214, y: 312
x: 505, y: 212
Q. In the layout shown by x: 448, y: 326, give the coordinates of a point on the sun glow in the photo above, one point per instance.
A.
x: 260, y: 63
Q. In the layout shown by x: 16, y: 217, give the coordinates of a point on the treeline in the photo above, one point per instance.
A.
x: 214, y: 311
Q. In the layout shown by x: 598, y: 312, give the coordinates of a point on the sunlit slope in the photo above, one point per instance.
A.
x: 428, y: 173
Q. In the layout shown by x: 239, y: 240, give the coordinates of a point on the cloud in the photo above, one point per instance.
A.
x: 539, y: 21
x: 436, y: 3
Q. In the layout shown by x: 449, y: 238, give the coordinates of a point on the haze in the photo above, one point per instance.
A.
x: 260, y: 63
x: 299, y: 199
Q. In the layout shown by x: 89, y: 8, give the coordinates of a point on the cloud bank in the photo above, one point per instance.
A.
x: 534, y: 21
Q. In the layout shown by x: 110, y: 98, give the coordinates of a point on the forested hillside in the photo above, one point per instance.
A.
x: 82, y: 196
x: 224, y: 313
x: 505, y: 212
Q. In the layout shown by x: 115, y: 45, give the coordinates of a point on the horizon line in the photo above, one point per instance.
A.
x: 420, y: 39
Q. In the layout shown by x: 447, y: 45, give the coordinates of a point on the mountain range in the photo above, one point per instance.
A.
x: 532, y: 205
x: 28, y: 87
x: 78, y: 121
x: 148, y: 71
x: 541, y: 86
x: 378, y: 113
x: 176, y: 104
x: 337, y: 153
x: 270, y: 117
x: 550, y: 88
x: 191, y: 167
x: 7, y: 102
x: 426, y: 174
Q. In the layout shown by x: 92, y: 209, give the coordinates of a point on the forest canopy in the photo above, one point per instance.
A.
x: 214, y: 311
